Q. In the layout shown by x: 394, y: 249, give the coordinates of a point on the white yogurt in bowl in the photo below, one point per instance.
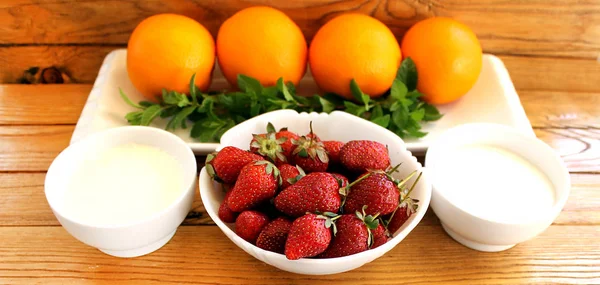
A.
x: 133, y: 180
x: 493, y: 186
x: 123, y: 190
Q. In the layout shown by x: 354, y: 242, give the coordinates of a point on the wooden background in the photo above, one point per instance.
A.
x: 540, y: 41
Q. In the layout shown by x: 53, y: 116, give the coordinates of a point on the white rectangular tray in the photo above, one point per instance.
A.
x: 493, y: 99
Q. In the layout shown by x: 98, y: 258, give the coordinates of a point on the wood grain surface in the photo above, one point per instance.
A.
x: 203, y: 255
x: 559, y: 28
x: 540, y: 41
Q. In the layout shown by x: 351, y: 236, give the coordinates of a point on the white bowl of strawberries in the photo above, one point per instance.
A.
x: 314, y: 193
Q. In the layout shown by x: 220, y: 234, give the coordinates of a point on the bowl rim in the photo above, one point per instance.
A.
x: 375, y: 252
x: 117, y: 131
x: 540, y: 146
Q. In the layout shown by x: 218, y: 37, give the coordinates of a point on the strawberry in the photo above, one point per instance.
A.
x: 310, y: 155
x: 333, y: 151
x: 225, y: 165
x: 353, y: 235
x: 342, y: 180
x: 225, y: 213
x: 290, y: 174
x: 249, y: 224
x: 380, y: 236
x: 277, y: 146
x: 315, y: 192
x: 309, y: 236
x: 274, y: 235
x: 376, y: 190
x: 258, y: 182
x: 406, y: 207
x: 360, y: 156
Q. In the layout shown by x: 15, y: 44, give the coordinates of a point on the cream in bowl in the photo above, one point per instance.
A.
x: 493, y: 186
x: 124, y: 190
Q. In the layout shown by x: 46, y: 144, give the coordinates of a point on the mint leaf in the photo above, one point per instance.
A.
x: 376, y: 112
x: 175, y: 98
x: 193, y: 90
x: 149, y: 114
x: 128, y: 101
x: 146, y: 104
x: 134, y: 118
x: 418, y: 115
x: 407, y: 74
x: 359, y: 95
x: 398, y: 90
x: 416, y: 134
x: 284, y: 90
x: 249, y: 84
x: 400, y: 118
x: 179, y: 119
x: 270, y: 92
x: 383, y: 121
x: 431, y: 113
x: 354, y: 109
x: 325, y: 105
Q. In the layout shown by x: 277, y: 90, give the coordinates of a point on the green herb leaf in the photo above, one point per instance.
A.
x: 326, y: 106
x: 179, y: 118
x: 193, y: 89
x: 149, y: 114
x: 399, y: 90
x: 376, y: 112
x: 128, y: 101
x: 354, y: 109
x: 383, y: 121
x: 284, y: 90
x: 249, y: 84
x: 359, y: 95
x: 431, y: 113
x: 418, y: 115
x: 407, y: 74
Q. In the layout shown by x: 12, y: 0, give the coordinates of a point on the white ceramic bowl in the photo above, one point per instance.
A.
x: 129, y: 240
x: 482, y: 233
x: 339, y: 126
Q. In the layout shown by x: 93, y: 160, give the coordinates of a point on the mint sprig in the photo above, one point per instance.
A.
x: 400, y: 110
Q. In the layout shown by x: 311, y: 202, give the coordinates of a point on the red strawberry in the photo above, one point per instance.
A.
x: 310, y: 155
x: 309, y: 236
x: 360, y: 155
x: 225, y: 165
x: 274, y: 235
x: 376, y: 190
x: 406, y: 207
x: 315, y: 192
x: 225, y: 214
x: 342, y: 180
x: 352, y: 235
x: 290, y: 174
x: 333, y: 150
x: 258, y: 182
x: 380, y: 236
x: 249, y: 224
x: 277, y: 146
x: 313, y: 136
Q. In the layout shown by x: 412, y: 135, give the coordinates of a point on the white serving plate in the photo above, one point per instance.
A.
x: 493, y: 99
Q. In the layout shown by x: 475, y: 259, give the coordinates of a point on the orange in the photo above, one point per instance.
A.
x: 447, y: 55
x: 354, y: 46
x: 263, y: 43
x: 165, y: 50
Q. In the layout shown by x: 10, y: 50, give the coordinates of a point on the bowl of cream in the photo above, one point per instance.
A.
x: 123, y: 190
x: 495, y: 186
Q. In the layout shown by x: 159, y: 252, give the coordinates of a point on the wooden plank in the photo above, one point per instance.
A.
x: 203, y: 255
x: 555, y: 74
x: 24, y: 203
x: 579, y: 148
x: 553, y: 109
x: 27, y: 104
x: 504, y: 27
x: 79, y: 64
x: 31, y: 148
x: 42, y: 104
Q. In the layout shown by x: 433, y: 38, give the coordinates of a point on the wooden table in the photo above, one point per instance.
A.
x: 36, y: 122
